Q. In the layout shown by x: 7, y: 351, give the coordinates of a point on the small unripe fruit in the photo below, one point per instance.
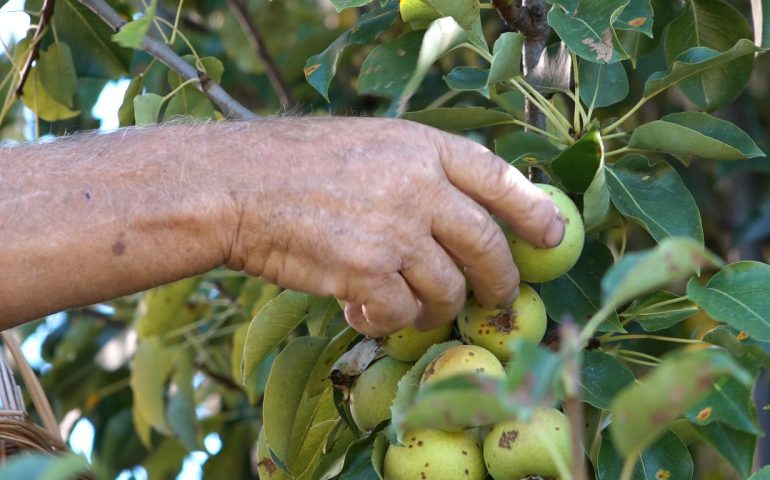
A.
x: 435, y: 455
x: 409, y: 344
x: 514, y: 450
x: 494, y: 329
x: 461, y: 360
x: 374, y: 391
x: 418, y: 13
x: 539, y: 265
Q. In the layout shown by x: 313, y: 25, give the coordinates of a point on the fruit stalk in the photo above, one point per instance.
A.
x: 573, y: 408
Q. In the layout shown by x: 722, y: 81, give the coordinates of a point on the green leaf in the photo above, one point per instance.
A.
x: 643, y: 411
x: 132, y: 33
x: 588, y: 30
x: 666, y: 458
x: 636, y: 43
x: 695, y: 134
x: 318, y: 379
x: 602, y: 85
x: 717, y: 25
x: 321, y: 312
x: 576, y: 166
x: 459, y: 118
x: 358, y: 461
x: 603, y: 376
x: 150, y: 370
x: 733, y: 445
x: 693, y: 62
x: 461, y: 401
x: 737, y: 296
x: 57, y: 73
x: 147, y: 108
x: 37, y: 99
x: 576, y: 295
x: 271, y: 326
x: 524, y: 149
x: 465, y: 79
x: 180, y: 410
x: 674, y: 259
x: 321, y: 68
x: 389, y: 65
x: 473, y: 400
x: 596, y: 201
x: 189, y: 101
x: 126, y: 110
x: 739, y: 344
x: 729, y: 402
x: 43, y: 466
x: 443, y: 36
x: 83, y: 31
x: 343, y: 4
x: 409, y: 384
x: 506, y: 57
x: 287, y: 412
x: 645, y: 193
x: 636, y: 16
x: 651, y: 316
x: 760, y: 13
x: 762, y: 474
x: 464, y: 12
x: 163, y: 308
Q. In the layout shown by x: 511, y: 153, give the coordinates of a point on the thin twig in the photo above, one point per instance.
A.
x: 226, y: 104
x: 530, y: 19
x: 258, y: 44
x: 573, y: 408
x: 34, y: 52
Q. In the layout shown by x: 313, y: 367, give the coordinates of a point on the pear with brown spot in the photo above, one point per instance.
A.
x: 460, y: 360
x: 435, y: 455
x: 515, y: 449
x: 494, y: 329
x: 409, y: 344
x: 374, y: 391
x: 538, y: 265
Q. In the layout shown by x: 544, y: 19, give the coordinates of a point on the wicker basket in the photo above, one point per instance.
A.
x: 18, y: 432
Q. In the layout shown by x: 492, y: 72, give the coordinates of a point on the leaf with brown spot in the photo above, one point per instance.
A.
x: 643, y: 411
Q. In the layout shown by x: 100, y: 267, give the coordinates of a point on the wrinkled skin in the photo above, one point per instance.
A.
x: 375, y: 212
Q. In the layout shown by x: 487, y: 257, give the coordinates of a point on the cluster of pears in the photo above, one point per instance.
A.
x: 507, y: 451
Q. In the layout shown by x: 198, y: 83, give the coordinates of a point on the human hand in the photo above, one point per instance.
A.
x: 380, y: 213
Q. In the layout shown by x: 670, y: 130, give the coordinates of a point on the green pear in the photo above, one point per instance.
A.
x: 494, y: 329
x: 435, y: 455
x: 514, y: 450
x: 540, y: 265
x: 409, y: 344
x: 418, y: 13
x: 462, y: 359
x: 374, y: 391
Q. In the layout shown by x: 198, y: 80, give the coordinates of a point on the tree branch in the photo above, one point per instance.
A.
x: 34, y: 49
x: 529, y: 19
x: 226, y: 104
x: 258, y: 44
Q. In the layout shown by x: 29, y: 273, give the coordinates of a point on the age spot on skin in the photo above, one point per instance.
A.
x: 119, y: 247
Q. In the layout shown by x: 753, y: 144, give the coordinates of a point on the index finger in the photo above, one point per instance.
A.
x: 503, y: 189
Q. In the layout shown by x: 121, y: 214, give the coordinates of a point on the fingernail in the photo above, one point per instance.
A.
x: 555, y: 232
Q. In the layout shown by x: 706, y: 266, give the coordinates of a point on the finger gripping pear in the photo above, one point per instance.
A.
x: 538, y: 265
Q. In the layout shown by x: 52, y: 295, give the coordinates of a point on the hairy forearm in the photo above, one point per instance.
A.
x: 92, y: 217
x: 372, y: 211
